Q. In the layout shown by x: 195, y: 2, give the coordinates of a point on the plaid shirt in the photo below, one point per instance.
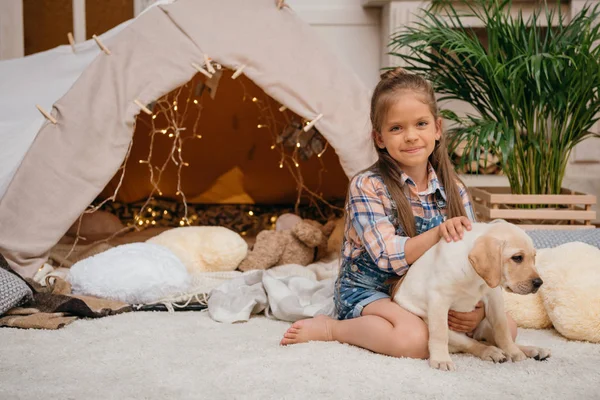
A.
x: 372, y: 225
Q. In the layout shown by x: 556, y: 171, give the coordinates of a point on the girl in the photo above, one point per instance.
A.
x: 395, y: 211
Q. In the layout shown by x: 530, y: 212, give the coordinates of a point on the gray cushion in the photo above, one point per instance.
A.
x: 552, y: 238
x: 13, y: 290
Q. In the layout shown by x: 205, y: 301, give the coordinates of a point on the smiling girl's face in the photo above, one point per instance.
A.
x: 409, y: 131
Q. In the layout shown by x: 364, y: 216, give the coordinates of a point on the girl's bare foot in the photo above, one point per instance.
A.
x: 313, y: 329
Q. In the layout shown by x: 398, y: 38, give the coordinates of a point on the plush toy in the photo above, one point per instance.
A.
x: 299, y: 243
x: 334, y: 243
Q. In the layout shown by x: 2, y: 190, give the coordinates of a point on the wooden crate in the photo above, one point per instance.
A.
x: 568, y: 210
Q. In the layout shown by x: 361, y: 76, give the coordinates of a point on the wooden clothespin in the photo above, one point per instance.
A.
x: 142, y: 107
x: 238, y: 71
x: 202, y: 70
x: 208, y: 64
x: 46, y: 114
x: 312, y: 123
x: 71, y: 41
x: 281, y: 4
x: 101, y: 45
x: 282, y: 108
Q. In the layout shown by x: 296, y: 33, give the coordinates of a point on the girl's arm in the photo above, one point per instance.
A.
x: 451, y: 230
x: 416, y: 246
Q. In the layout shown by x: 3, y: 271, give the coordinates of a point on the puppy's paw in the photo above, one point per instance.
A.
x: 492, y: 353
x: 443, y: 365
x: 536, y: 353
x: 516, y: 355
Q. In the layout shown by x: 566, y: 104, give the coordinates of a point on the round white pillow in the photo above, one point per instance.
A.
x: 135, y: 273
x: 204, y: 248
x: 571, y: 289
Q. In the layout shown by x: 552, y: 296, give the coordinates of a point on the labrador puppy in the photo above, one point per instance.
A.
x: 456, y: 276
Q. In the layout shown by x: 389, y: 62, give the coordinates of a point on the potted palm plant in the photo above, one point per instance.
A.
x: 535, y: 86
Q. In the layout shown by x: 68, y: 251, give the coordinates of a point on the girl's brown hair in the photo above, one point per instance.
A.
x: 391, y: 83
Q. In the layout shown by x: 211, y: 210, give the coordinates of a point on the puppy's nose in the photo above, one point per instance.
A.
x: 537, y: 282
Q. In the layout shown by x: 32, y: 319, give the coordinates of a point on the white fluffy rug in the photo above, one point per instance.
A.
x: 189, y: 356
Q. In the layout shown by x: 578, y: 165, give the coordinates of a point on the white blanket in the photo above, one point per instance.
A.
x: 288, y: 292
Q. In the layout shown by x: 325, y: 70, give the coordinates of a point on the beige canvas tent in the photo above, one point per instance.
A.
x: 70, y: 162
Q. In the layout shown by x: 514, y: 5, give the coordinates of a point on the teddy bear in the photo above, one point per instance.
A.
x: 295, y: 241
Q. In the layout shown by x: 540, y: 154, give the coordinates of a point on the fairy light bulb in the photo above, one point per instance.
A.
x: 250, y: 213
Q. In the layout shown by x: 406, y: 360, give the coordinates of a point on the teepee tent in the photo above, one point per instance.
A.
x: 54, y: 172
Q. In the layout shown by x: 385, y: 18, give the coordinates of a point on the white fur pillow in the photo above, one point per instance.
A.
x: 134, y: 273
x: 204, y: 248
x: 571, y: 289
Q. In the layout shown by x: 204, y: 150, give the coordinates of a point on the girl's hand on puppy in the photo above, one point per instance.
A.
x: 466, y: 322
x: 453, y: 228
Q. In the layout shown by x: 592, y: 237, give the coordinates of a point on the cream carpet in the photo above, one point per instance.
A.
x: 189, y: 356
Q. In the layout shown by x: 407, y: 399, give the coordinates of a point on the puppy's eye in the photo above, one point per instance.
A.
x: 517, y: 259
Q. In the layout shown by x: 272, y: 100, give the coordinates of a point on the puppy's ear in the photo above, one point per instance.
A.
x: 486, y: 259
